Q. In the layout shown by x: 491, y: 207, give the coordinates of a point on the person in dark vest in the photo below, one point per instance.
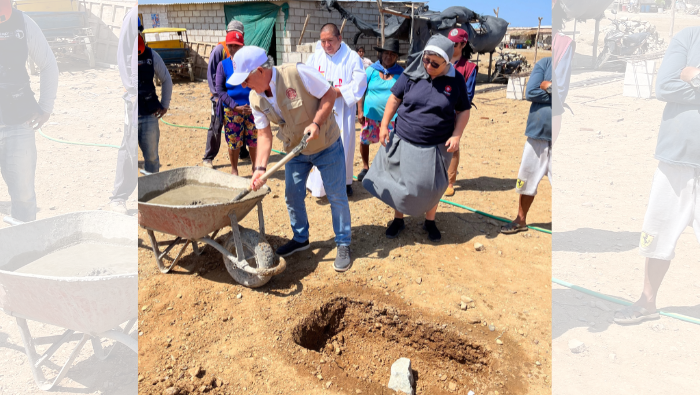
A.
x: 20, y: 113
x: 218, y: 54
x: 150, y: 109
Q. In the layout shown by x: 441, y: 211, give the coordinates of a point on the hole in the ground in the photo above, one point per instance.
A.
x: 360, y: 340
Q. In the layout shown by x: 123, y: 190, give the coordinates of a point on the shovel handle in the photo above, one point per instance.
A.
x: 296, y: 151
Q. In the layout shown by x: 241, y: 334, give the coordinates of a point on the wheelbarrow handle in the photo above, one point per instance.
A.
x: 12, y: 221
x: 296, y: 151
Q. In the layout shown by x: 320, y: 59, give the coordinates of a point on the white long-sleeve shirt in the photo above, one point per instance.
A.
x: 163, y: 74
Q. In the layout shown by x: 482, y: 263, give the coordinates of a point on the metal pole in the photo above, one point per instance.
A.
x: 574, y: 30
x: 673, y: 17
x: 537, y: 37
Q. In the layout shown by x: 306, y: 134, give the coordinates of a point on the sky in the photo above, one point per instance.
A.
x: 520, y: 13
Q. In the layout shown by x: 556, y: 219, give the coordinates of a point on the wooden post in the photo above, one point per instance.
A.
x: 595, y: 42
x: 410, y: 39
x: 381, y: 21
x: 574, y: 30
x: 673, y: 17
x: 496, y: 11
x: 490, y: 59
x: 343, y: 26
x: 303, y: 30
x: 537, y: 37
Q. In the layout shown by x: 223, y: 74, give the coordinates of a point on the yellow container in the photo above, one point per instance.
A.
x: 47, y: 5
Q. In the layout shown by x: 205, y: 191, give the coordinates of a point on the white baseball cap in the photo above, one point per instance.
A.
x: 245, y: 61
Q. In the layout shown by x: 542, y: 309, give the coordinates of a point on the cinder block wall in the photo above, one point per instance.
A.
x: 206, y: 24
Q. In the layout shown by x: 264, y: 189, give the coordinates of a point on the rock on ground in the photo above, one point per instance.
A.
x: 402, y: 376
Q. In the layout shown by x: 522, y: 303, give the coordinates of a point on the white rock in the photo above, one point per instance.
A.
x: 402, y: 377
x: 576, y: 346
x: 478, y: 246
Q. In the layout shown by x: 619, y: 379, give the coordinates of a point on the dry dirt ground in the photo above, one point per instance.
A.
x: 72, y: 178
x: 604, y: 167
x: 311, y: 330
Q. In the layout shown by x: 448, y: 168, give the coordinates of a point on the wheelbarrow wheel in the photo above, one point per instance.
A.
x: 262, y: 257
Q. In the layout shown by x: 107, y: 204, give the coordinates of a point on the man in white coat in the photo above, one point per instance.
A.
x: 344, y: 71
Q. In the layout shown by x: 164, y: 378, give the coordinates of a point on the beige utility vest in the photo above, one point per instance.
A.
x: 298, y: 108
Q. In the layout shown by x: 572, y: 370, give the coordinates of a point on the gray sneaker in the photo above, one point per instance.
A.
x: 208, y: 163
x: 342, y: 260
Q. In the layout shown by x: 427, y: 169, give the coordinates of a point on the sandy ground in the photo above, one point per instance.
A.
x: 604, y: 166
x: 248, y: 341
x: 72, y: 178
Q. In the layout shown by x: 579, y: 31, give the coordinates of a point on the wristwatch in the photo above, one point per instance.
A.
x: 695, y: 82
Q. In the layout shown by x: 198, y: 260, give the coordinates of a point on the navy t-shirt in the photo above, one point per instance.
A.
x: 427, y: 111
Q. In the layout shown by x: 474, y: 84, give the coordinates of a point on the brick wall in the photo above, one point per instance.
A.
x: 206, y: 24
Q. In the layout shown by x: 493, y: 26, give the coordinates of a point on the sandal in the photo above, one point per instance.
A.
x: 632, y: 315
x: 512, y: 228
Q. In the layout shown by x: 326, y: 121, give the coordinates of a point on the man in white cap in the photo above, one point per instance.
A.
x: 299, y: 100
x: 343, y: 69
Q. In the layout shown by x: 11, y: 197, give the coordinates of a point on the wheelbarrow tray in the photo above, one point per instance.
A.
x: 193, y: 222
x: 91, y: 305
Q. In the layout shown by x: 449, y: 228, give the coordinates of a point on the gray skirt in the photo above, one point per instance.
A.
x: 410, y: 178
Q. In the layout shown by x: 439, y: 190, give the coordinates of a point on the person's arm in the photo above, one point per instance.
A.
x: 220, y: 86
x: 471, y: 85
x: 670, y: 87
x: 534, y: 90
x: 391, y: 106
x: 361, y: 102
x: 262, y: 156
x: 40, y: 52
x: 463, y: 110
x: 127, y: 52
x: 215, y: 58
x: 353, y: 92
x: 163, y: 75
x: 562, y: 74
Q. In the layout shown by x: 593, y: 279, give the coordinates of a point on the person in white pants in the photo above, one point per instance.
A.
x: 345, y: 72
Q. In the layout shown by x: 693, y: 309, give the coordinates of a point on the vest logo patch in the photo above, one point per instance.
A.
x: 19, y: 34
x: 147, y: 61
x: 645, y: 240
x: 291, y: 93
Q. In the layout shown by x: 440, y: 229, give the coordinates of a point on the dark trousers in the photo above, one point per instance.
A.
x: 213, y: 135
x: 126, y: 177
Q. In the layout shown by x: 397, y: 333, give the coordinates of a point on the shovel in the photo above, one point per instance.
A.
x: 296, y: 151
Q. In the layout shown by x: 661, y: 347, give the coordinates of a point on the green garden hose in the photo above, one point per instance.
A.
x: 441, y: 200
x: 76, y: 142
x: 622, y: 302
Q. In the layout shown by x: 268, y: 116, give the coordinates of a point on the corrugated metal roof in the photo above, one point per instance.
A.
x: 171, y: 2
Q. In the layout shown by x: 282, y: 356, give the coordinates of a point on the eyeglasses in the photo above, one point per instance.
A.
x: 432, y: 64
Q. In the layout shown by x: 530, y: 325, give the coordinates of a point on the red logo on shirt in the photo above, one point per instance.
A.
x: 291, y: 93
x: 448, y: 89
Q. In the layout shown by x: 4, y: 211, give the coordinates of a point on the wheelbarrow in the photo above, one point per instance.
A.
x: 90, y: 306
x: 248, y: 257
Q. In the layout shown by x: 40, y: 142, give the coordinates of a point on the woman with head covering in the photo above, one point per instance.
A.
x: 381, y: 77
x: 234, y: 106
x: 461, y: 63
x: 410, y: 173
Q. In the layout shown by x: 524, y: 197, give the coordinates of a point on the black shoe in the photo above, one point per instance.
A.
x: 433, y: 231
x: 292, y: 247
x: 362, y: 175
x: 348, y: 190
x: 244, y: 154
x: 397, y: 225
